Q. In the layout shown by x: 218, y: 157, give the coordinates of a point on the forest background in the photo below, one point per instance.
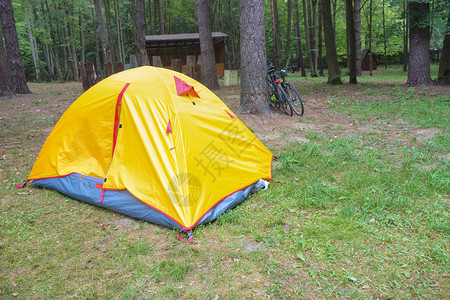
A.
x: 55, y: 35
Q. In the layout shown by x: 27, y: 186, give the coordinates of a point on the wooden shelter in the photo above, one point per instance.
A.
x: 179, y: 46
x: 365, y: 62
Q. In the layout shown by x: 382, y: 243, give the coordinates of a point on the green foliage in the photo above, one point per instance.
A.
x: 180, y: 17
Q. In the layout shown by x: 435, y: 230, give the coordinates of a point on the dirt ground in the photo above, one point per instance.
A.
x: 35, y: 115
x: 278, y: 128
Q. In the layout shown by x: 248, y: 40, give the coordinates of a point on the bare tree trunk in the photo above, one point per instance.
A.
x: 314, y: 35
x: 54, y: 49
x: 206, y: 46
x: 6, y: 82
x: 72, y: 45
x: 12, y: 48
x: 310, y: 38
x: 419, y: 41
x: 298, y: 47
x: 62, y: 35
x: 357, y: 19
x: 33, y: 46
x: 254, y: 91
x: 370, y: 37
x: 308, y: 44
x: 405, y: 37
x: 140, y: 34
x: 150, y: 19
x: 384, y: 38
x: 319, y: 38
x: 444, y: 64
x: 351, y: 40
x: 334, y: 74
x: 106, y: 49
x: 112, y: 44
x: 119, y: 32
x: 277, y: 56
x: 233, y: 37
x: 82, y: 43
x: 161, y: 18
x: 288, y: 32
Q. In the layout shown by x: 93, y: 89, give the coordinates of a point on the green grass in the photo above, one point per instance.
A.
x: 349, y: 215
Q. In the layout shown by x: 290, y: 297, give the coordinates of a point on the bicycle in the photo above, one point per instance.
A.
x: 285, y: 93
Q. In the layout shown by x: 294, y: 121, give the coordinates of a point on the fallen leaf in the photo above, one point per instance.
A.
x: 366, y: 287
x: 15, y: 294
x: 300, y: 255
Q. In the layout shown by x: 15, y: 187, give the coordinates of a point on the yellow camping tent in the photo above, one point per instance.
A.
x: 153, y: 144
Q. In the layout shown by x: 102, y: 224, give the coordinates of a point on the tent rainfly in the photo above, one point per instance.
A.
x: 155, y: 145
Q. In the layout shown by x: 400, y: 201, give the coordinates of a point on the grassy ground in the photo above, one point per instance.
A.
x: 358, y: 208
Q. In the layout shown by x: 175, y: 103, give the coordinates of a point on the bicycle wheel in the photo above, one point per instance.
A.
x: 294, y: 99
x: 284, y: 101
x: 273, y: 98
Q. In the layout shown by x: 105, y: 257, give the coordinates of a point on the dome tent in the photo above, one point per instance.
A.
x: 155, y: 145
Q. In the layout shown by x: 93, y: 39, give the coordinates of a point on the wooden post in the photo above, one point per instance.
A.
x: 177, y: 65
x: 118, y: 67
x: 91, y: 74
x: 199, y: 69
x: 157, y: 61
x: 109, y: 69
x: 230, y: 77
x: 83, y: 77
x: 143, y: 58
x: 133, y: 61
x: 226, y: 78
x: 190, y: 65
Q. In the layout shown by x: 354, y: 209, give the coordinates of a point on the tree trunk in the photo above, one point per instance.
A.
x: 53, y: 50
x: 384, y: 38
x: 161, y: 18
x: 370, y: 38
x: 357, y: 19
x: 150, y: 20
x: 278, y: 60
x: 254, y: 91
x: 140, y: 34
x: 405, y: 37
x: 288, y: 32
x: 72, y: 45
x: 351, y: 39
x: 334, y: 74
x: 6, y: 82
x: 82, y: 43
x: 106, y: 50
x: 319, y: 38
x: 110, y: 31
x: 12, y: 48
x: 444, y: 64
x: 119, y: 33
x: 298, y: 47
x: 209, y: 71
x: 33, y: 46
x: 305, y: 23
x: 309, y: 38
x: 314, y: 35
x: 233, y: 37
x: 419, y: 42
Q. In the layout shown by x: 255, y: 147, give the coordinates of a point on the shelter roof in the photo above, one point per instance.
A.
x: 180, y: 39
